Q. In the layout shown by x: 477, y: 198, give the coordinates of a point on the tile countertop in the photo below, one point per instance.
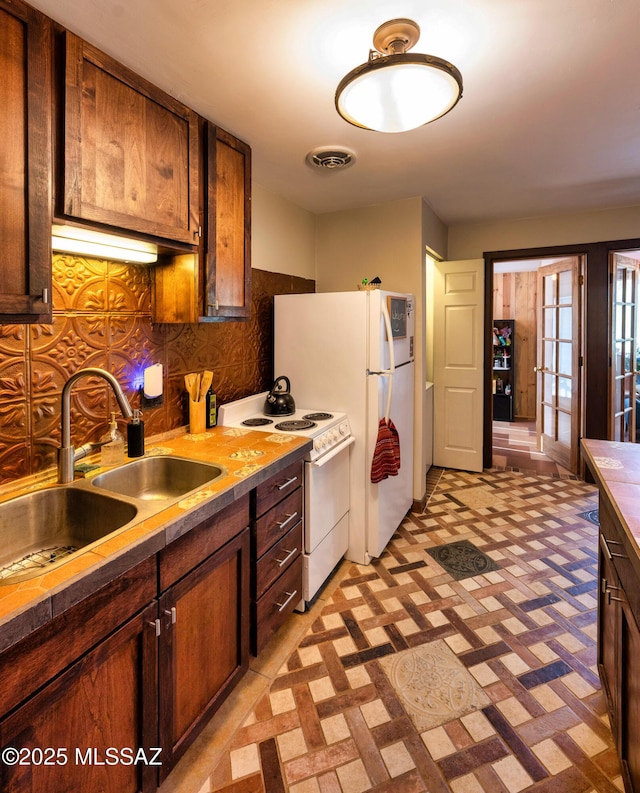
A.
x: 250, y: 458
x: 616, y: 469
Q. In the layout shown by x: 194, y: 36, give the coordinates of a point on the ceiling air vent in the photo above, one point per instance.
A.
x: 331, y: 159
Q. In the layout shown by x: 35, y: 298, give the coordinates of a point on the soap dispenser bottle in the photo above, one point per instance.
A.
x: 112, y: 445
x: 135, y: 435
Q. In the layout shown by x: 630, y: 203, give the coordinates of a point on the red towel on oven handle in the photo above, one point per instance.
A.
x: 384, y: 462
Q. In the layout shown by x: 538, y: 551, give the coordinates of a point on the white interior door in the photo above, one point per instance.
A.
x: 559, y: 358
x: 458, y: 364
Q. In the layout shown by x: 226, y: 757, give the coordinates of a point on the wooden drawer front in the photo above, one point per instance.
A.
x: 619, y: 551
x: 188, y: 551
x: 275, y: 561
x: 277, y: 522
x: 269, y: 493
x: 43, y: 654
x: 277, y: 603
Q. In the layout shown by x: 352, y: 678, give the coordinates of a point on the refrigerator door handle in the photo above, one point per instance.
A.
x: 392, y: 366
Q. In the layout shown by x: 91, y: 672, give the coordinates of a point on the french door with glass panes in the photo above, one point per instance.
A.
x: 624, y: 348
x: 559, y: 359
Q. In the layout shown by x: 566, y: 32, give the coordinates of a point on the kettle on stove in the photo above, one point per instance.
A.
x: 279, y: 402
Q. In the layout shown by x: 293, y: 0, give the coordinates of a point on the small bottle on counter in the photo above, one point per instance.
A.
x: 211, y: 414
x: 112, y: 445
x: 135, y: 435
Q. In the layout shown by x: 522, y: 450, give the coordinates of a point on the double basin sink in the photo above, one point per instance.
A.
x: 45, y: 528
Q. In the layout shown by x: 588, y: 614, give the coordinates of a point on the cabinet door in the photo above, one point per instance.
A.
x: 228, y: 226
x: 25, y: 164
x: 131, y: 152
x: 609, y: 631
x: 630, y: 697
x: 204, y: 646
x: 107, y: 699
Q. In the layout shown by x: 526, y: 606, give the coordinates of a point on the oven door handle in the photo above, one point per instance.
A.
x: 330, y: 455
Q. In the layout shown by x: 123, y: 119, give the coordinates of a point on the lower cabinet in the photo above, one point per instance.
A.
x: 619, y: 644
x: 204, y: 647
x: 107, y: 696
x: 93, y: 728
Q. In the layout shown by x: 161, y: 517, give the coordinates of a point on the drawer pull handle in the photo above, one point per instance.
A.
x: 157, y: 626
x: 605, y: 586
x: 172, y: 613
x: 290, y: 597
x: 610, y: 554
x: 287, y: 519
x: 610, y: 598
x: 287, y: 483
x: 287, y: 557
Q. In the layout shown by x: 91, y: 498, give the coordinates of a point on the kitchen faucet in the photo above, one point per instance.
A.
x: 67, y: 455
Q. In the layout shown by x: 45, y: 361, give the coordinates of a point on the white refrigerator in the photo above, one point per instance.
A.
x: 346, y: 351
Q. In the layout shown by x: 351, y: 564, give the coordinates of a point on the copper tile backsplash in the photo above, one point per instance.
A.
x: 102, y: 317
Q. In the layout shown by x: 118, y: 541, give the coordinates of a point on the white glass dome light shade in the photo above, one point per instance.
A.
x: 398, y: 92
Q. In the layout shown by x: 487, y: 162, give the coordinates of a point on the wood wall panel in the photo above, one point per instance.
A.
x: 515, y: 297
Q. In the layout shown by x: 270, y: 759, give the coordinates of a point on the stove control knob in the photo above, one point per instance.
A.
x: 317, y: 444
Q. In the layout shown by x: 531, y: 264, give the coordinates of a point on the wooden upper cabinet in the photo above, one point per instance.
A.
x: 228, y: 226
x: 131, y: 151
x: 25, y: 163
x: 214, y: 284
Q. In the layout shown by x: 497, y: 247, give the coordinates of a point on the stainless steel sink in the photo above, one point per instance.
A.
x: 158, y: 478
x: 42, y: 529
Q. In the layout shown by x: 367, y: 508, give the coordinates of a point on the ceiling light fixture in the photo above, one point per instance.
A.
x: 395, y: 90
x: 87, y: 242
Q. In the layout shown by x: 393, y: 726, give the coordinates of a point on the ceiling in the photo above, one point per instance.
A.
x: 549, y: 120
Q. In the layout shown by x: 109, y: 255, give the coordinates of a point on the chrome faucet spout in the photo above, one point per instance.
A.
x: 67, y: 455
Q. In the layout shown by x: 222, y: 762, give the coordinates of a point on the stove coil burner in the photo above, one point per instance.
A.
x: 256, y: 422
x: 295, y: 424
x: 318, y: 416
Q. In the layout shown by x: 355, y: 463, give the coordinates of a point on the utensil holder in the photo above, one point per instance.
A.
x: 197, y: 416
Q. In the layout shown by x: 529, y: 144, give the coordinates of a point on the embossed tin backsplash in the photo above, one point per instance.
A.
x: 102, y: 317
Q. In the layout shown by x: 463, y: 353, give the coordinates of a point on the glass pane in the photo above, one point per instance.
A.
x: 618, y: 349
x: 549, y: 290
x: 619, y: 285
x: 547, y: 418
x: 628, y: 320
x: 618, y: 329
x: 565, y: 356
x: 564, y: 393
x: 550, y: 323
x: 564, y: 429
x: 628, y: 356
x: 564, y: 331
x: 564, y: 287
x: 549, y: 353
x: 628, y: 292
x: 617, y: 395
x: 618, y: 429
x: 549, y: 389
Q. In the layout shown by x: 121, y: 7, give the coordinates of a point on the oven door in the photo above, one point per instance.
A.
x: 326, y: 494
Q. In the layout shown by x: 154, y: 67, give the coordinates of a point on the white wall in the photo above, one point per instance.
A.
x: 471, y: 240
x: 282, y: 235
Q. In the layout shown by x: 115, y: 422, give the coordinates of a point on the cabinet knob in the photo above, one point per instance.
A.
x: 172, y: 613
x: 157, y: 627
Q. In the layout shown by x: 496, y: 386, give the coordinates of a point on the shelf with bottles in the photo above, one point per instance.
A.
x: 503, y: 369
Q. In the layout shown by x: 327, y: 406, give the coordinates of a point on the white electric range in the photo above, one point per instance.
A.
x: 326, y: 478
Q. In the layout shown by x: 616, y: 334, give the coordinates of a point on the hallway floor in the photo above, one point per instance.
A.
x: 463, y: 660
x: 514, y: 449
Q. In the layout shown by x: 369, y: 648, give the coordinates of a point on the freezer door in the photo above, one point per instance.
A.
x: 401, y: 310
